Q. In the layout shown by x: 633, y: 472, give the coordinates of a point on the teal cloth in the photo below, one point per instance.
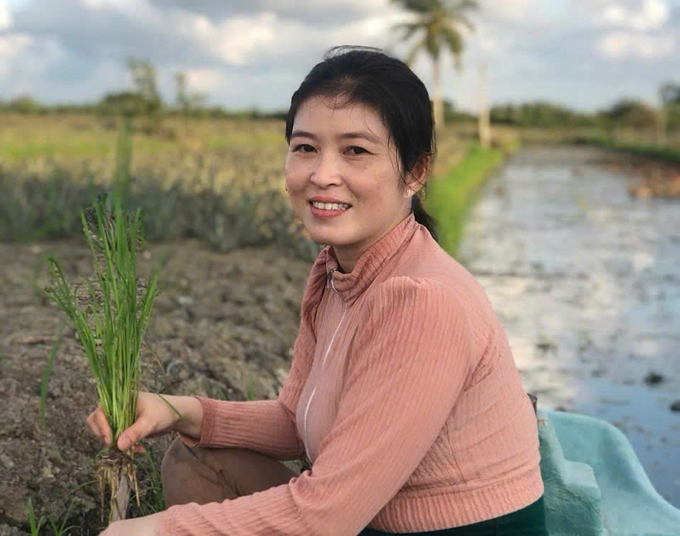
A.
x: 594, y: 482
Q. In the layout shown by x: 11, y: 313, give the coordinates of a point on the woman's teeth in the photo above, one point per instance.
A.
x: 330, y: 206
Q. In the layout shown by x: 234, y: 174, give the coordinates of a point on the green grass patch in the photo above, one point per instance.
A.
x: 240, y: 138
x: 665, y: 153
x: 450, y: 197
x: 96, y: 147
x: 21, y: 151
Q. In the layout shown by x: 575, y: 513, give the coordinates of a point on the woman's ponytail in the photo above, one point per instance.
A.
x: 422, y: 216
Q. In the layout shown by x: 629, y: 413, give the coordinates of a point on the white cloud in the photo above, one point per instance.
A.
x: 244, y: 39
x: 516, y: 10
x: 204, y: 79
x: 621, y: 45
x: 24, y: 60
x: 239, y: 38
x: 255, y: 52
x: 5, y: 15
x: 139, y: 11
x: 11, y: 47
x: 653, y: 15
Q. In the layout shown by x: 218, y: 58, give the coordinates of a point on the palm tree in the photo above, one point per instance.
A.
x: 439, y: 22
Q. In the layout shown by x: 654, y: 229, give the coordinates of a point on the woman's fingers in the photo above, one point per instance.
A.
x: 141, y: 428
x: 99, y: 426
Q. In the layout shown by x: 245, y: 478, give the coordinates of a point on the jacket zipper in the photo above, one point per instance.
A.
x: 328, y: 349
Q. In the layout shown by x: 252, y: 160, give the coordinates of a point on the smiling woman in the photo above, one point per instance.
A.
x: 403, y: 395
x: 343, y: 177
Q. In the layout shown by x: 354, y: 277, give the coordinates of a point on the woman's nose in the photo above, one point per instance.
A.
x: 327, y: 172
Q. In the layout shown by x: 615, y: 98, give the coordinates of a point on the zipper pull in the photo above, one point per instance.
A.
x: 329, y: 276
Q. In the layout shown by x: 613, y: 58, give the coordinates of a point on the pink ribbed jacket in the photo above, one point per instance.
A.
x: 404, y: 394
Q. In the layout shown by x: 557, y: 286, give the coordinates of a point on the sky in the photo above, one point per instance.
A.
x: 584, y: 54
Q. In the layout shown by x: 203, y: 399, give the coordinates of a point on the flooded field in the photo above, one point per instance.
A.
x: 586, y: 281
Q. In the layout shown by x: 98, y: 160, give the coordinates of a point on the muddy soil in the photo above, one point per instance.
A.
x: 223, y: 326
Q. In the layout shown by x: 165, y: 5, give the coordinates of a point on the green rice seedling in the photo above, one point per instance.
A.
x: 47, y: 373
x: 35, y: 524
x: 251, y: 390
x: 111, y: 313
x: 61, y: 528
x: 155, y: 500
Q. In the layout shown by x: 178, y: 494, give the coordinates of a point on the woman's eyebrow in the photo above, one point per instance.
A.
x: 302, y: 134
x: 361, y: 134
x: 345, y: 136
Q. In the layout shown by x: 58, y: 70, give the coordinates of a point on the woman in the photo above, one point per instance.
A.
x: 403, y: 393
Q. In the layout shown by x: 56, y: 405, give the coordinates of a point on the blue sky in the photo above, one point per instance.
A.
x: 254, y: 53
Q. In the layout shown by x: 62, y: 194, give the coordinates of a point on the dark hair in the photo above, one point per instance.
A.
x: 387, y: 85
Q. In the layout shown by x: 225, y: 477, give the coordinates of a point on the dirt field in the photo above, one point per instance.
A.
x: 222, y: 325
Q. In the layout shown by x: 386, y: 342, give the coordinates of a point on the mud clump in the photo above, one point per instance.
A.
x: 223, y: 326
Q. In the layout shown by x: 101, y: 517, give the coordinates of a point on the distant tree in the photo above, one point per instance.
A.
x: 182, y: 99
x: 25, y: 104
x: 438, y: 23
x: 452, y: 114
x: 670, y: 94
x: 631, y: 113
x: 669, y: 115
x: 144, y: 78
x: 188, y: 103
x: 126, y: 103
x: 539, y: 114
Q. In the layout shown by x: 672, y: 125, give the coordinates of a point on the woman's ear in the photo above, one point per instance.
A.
x: 416, y: 179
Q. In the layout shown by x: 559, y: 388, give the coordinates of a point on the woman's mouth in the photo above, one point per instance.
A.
x: 320, y: 209
x: 329, y: 206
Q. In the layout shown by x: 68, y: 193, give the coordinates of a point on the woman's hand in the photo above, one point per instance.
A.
x: 140, y: 526
x: 154, y: 418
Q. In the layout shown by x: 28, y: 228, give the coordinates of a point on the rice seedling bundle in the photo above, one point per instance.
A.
x: 111, y: 312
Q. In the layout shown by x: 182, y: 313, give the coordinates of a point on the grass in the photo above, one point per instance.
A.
x: 219, y: 182
x: 58, y: 528
x: 450, y: 197
x: 156, y: 500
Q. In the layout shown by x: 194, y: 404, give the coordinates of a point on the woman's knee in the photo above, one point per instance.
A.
x: 208, y: 475
x: 187, y: 478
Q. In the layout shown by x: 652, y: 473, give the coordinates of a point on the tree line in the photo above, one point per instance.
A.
x: 143, y: 100
x: 631, y: 113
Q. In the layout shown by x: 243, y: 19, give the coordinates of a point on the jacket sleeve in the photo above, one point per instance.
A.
x: 406, y: 367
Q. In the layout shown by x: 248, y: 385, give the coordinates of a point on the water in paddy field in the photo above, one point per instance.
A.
x: 586, y: 281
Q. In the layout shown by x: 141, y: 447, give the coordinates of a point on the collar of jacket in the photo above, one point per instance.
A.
x: 350, y: 286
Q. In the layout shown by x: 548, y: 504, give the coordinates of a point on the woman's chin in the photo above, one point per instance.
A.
x: 327, y: 239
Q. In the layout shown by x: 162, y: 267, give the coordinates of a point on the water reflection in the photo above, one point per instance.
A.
x: 586, y: 282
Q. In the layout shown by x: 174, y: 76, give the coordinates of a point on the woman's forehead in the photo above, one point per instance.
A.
x: 337, y: 116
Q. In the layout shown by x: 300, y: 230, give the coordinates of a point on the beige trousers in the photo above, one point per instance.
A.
x: 204, y: 475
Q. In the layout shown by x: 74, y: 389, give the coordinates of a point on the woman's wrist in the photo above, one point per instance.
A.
x: 190, y: 422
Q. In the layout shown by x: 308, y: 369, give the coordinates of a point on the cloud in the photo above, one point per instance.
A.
x: 619, y: 45
x: 11, y: 47
x: 5, y: 15
x: 246, y: 53
x: 24, y: 60
x: 205, y: 80
x: 652, y: 15
x: 324, y: 13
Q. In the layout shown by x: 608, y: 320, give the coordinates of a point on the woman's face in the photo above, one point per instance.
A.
x: 343, y: 178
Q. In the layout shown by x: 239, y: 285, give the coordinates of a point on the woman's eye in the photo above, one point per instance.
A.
x: 356, y: 150
x: 303, y: 148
